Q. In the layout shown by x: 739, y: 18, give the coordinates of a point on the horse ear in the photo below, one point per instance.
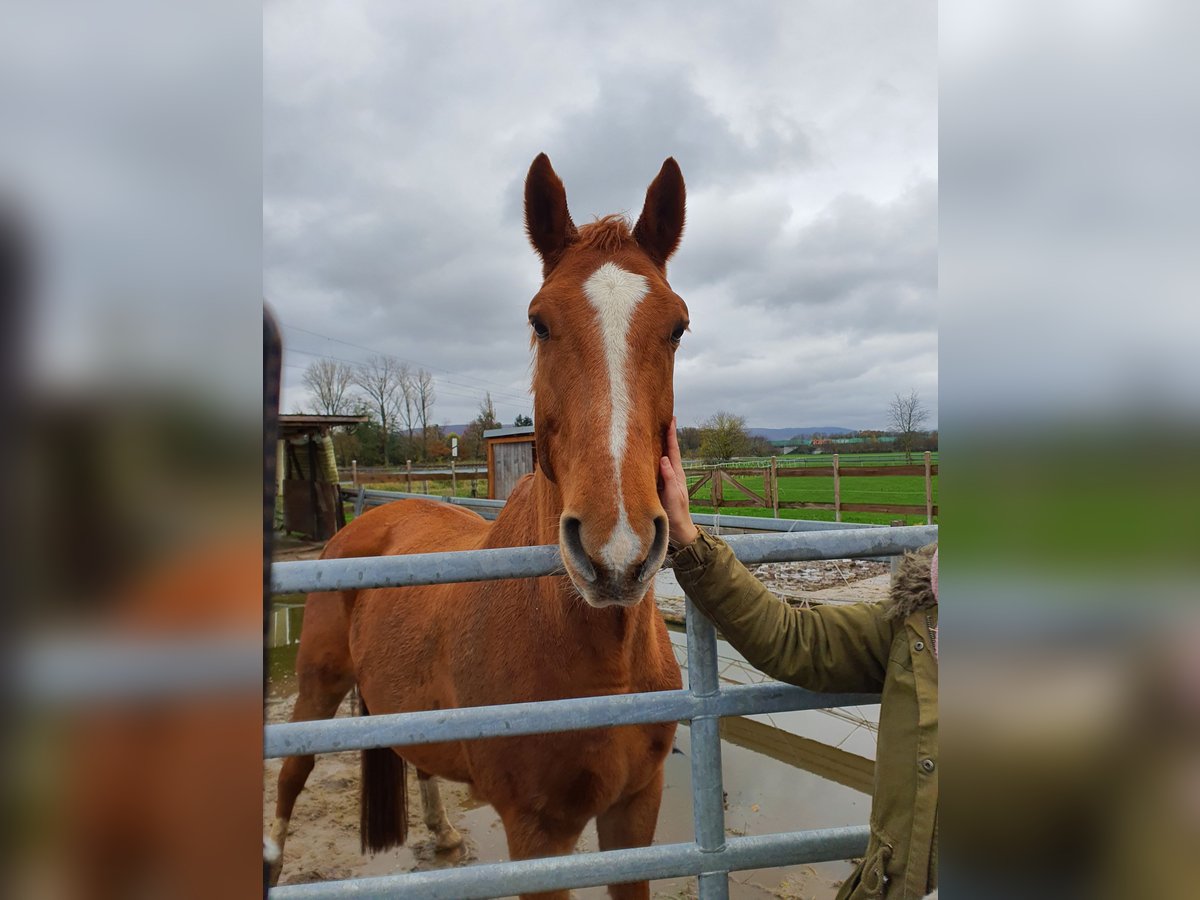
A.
x: 547, y: 220
x: 660, y: 225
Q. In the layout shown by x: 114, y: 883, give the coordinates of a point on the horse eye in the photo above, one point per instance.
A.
x: 677, y: 334
x: 539, y: 328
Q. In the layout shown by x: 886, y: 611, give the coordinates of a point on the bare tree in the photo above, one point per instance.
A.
x: 723, y: 436
x: 472, y: 437
x: 380, y: 379
x: 407, y: 407
x: 329, y: 381
x: 906, y: 415
x: 423, y: 390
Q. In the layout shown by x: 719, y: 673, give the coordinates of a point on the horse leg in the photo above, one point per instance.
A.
x: 436, y: 820
x: 325, y: 676
x: 532, y: 834
x: 630, y: 822
x: 320, y: 696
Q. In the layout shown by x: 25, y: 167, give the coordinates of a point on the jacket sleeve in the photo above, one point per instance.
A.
x: 832, y: 649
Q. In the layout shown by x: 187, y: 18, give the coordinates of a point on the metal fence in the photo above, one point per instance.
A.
x: 711, y: 855
x: 364, y: 498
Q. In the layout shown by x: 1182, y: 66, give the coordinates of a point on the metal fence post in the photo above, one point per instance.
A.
x: 837, y: 490
x: 928, y: 491
x: 708, y: 795
x: 360, y: 501
x: 895, y: 560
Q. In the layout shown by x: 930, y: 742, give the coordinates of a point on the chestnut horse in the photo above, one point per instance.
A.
x: 605, y: 325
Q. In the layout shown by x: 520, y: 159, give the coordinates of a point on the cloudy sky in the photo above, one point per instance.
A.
x: 397, y: 136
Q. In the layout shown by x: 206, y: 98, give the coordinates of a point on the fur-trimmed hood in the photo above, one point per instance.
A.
x: 912, y: 585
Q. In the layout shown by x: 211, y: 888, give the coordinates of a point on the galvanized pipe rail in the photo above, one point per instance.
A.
x: 518, y: 719
x: 711, y: 857
x: 591, y: 869
x: 532, y: 562
x: 708, y: 807
x: 765, y: 523
x: 364, y: 498
x: 388, y: 496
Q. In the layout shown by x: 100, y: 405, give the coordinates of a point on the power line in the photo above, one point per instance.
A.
x: 471, y: 394
x: 507, y: 394
x: 380, y: 353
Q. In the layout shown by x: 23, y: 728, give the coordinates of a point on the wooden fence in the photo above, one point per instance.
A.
x: 720, y: 478
x: 472, y: 472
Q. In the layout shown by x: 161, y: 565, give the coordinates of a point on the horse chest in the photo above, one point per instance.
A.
x: 614, y: 762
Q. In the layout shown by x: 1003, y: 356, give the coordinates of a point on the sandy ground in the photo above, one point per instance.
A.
x: 323, y: 840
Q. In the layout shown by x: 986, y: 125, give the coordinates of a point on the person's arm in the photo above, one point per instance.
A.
x: 827, y: 648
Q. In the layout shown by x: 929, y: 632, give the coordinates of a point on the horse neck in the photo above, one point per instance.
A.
x: 600, y: 646
x: 530, y: 515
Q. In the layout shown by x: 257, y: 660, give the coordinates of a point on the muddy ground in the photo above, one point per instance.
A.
x: 792, y: 581
x: 323, y: 841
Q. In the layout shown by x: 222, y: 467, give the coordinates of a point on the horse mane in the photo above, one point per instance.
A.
x: 607, y: 234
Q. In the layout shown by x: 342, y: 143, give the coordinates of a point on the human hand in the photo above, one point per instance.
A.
x: 673, y: 494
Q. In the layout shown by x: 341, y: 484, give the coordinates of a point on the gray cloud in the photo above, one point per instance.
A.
x: 396, y: 140
x: 609, y: 147
x: 859, y: 263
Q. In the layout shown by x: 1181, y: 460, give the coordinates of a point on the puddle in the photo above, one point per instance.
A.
x: 287, y: 616
x: 783, y: 772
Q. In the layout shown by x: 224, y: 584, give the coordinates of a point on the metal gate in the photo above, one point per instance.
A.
x: 711, y: 855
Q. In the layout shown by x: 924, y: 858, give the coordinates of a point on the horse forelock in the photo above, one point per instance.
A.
x: 608, y: 234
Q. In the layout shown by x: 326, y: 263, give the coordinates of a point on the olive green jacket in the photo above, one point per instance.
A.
x: 869, y: 647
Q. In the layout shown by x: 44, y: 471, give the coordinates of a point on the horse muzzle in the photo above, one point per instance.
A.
x: 621, y: 571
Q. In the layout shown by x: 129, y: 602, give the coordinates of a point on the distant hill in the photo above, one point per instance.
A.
x: 784, y: 434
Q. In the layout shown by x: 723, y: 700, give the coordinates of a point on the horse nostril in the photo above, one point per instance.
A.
x: 658, y: 549
x: 572, y: 545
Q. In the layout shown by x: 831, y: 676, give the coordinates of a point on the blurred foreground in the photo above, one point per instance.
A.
x: 130, y: 273
x: 1070, y: 409
x: 130, y: 237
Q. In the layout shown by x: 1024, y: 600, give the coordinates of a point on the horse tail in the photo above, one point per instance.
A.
x: 383, y: 805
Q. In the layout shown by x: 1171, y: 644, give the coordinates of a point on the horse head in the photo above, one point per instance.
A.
x: 605, y: 325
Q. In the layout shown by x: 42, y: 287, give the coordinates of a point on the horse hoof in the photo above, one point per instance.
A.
x: 273, y: 853
x: 449, y: 839
x: 274, y: 867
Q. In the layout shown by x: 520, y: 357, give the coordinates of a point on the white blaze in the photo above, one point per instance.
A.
x: 615, y: 294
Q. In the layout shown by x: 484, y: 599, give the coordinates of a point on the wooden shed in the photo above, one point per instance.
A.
x: 308, y: 475
x: 511, y: 453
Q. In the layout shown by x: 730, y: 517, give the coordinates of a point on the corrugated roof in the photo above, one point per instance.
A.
x: 508, y: 432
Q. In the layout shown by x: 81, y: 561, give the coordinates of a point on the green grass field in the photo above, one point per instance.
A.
x: 809, y: 460
x: 817, y: 489
x: 877, y: 489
